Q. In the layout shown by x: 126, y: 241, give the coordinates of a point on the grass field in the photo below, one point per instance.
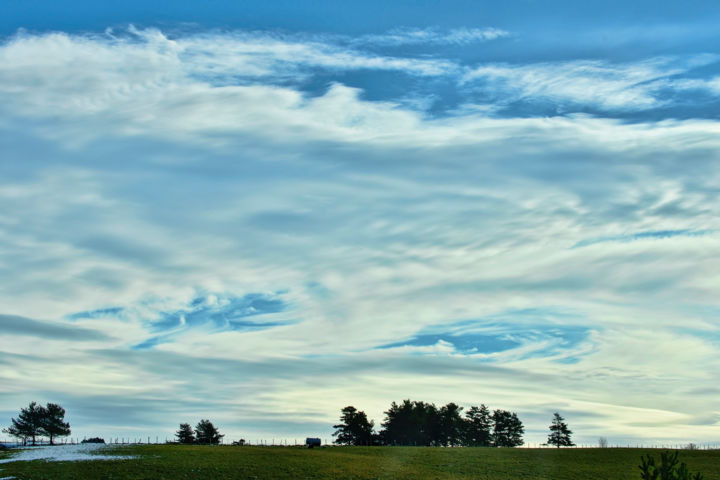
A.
x: 225, y: 462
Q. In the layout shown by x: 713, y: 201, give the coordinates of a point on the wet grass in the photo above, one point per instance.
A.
x: 358, y: 463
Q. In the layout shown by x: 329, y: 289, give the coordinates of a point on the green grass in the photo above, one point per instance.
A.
x: 196, y: 462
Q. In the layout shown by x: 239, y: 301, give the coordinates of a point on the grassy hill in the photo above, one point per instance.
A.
x: 174, y: 462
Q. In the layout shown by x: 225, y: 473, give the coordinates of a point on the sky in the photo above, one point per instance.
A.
x: 262, y: 212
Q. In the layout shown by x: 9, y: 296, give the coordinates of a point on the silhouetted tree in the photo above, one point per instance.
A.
x: 420, y: 423
x: 429, y: 424
x: 559, y: 432
x: 185, y: 434
x: 206, y: 433
x: 452, y: 426
x: 507, y: 429
x: 412, y: 423
x: 354, y: 429
x: 478, y: 426
x: 399, y: 427
x: 53, y: 422
x: 18, y: 432
x: 28, y: 424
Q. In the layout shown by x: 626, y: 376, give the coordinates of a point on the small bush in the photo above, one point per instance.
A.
x: 667, y: 470
x: 93, y: 440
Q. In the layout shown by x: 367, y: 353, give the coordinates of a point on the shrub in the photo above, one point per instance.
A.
x: 667, y: 470
x: 93, y: 440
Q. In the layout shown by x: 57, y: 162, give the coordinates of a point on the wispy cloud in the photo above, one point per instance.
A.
x: 591, y: 83
x: 655, y: 234
x: 44, y: 331
x: 97, y: 314
x: 151, y: 182
x: 205, y: 314
x: 432, y: 36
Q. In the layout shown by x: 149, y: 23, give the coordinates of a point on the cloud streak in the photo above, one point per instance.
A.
x: 658, y: 235
x: 595, y: 84
x: 432, y: 36
x: 17, y: 325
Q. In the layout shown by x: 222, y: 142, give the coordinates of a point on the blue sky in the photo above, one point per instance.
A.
x: 300, y: 207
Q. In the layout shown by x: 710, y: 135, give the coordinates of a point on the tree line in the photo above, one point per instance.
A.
x: 38, y: 421
x: 407, y: 423
x: 424, y: 424
x: 205, y: 433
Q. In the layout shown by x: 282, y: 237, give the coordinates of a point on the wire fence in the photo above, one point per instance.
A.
x: 300, y: 442
x: 154, y: 440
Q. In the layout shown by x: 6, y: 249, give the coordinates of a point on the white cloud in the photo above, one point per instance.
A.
x: 432, y: 36
x: 711, y: 85
x: 593, y: 83
x: 598, y: 84
x: 131, y: 179
x: 253, y: 55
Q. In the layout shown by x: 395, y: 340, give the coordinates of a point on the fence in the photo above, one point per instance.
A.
x: 156, y: 440
x: 298, y: 442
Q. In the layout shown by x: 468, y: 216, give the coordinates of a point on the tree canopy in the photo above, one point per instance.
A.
x: 354, y: 428
x: 423, y: 424
x: 478, y: 427
x: 185, y: 434
x: 206, y: 433
x: 507, y: 429
x: 36, y: 421
x: 53, y: 422
x: 559, y: 432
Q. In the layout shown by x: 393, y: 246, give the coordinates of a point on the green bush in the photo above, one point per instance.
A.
x: 667, y: 470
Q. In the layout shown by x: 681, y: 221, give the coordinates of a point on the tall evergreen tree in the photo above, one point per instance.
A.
x: 452, y: 425
x: 185, y: 434
x: 507, y: 429
x: 28, y: 424
x: 354, y: 429
x: 428, y: 424
x: 478, y: 427
x: 53, y: 422
x: 412, y: 423
x: 559, y: 432
x: 399, y: 427
x: 206, y: 433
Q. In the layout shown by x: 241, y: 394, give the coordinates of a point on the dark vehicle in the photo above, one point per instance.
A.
x: 312, y: 442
